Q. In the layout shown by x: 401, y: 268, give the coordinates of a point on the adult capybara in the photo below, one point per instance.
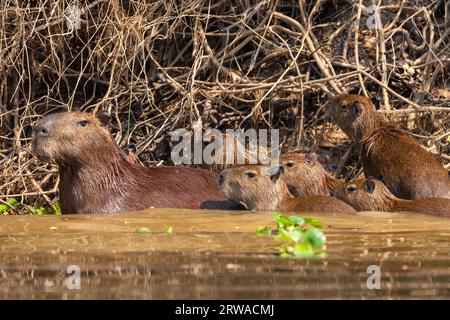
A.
x: 387, y: 152
x: 260, y: 188
x: 372, y: 195
x: 97, y: 177
x: 305, y: 176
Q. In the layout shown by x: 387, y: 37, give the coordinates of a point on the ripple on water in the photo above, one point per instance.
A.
x: 213, y: 254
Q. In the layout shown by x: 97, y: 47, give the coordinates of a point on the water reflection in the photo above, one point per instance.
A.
x: 213, y: 255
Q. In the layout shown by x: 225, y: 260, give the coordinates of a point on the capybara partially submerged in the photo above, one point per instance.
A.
x: 260, y: 188
x: 373, y: 195
x: 305, y: 176
x: 388, y: 153
x: 97, y: 177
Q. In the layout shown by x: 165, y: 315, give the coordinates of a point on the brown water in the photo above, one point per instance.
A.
x: 217, y: 255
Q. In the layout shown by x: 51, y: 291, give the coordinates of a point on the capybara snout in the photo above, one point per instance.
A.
x: 70, y: 136
x: 254, y: 186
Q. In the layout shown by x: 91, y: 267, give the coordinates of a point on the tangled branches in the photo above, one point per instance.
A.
x: 162, y: 65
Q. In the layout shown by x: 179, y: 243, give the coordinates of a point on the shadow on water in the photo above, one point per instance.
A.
x: 217, y: 255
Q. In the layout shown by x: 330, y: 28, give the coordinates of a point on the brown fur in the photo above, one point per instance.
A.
x: 387, y: 152
x: 260, y: 188
x: 97, y: 177
x: 130, y: 151
x: 373, y: 195
x: 305, y: 176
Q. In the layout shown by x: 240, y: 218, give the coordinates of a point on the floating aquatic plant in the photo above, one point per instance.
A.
x: 300, y: 237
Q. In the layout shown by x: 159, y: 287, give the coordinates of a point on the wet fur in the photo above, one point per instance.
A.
x: 379, y: 198
x: 388, y: 153
x: 263, y: 193
x: 97, y: 177
x: 307, y: 177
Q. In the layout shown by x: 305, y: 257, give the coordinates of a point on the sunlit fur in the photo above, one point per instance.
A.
x: 354, y: 194
x: 96, y: 176
x: 256, y: 193
x: 354, y: 123
x: 387, y: 152
x: 373, y: 195
x: 306, y: 177
x: 262, y: 188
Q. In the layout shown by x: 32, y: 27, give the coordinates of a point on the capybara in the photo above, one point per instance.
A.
x: 260, y: 188
x: 130, y: 150
x: 389, y: 153
x: 233, y: 150
x: 305, y: 176
x: 97, y: 177
x: 372, y: 195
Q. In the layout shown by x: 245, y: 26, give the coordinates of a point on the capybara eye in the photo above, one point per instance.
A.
x: 83, y: 123
x: 351, y: 189
x: 289, y: 164
x: 250, y: 174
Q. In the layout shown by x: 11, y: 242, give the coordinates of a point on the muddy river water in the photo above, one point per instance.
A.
x: 218, y: 255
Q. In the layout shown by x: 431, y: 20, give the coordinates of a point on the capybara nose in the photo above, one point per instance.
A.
x: 42, y: 131
x: 221, y: 178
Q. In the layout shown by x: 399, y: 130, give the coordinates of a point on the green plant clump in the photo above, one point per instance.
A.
x: 8, y: 204
x: 300, y: 236
x: 168, y: 229
x: 11, y: 204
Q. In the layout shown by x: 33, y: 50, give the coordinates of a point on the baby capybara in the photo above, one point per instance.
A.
x: 387, y: 152
x: 97, y: 177
x: 305, y: 176
x: 372, y: 195
x: 260, y: 188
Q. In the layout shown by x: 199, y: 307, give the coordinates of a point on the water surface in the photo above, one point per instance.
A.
x: 217, y: 255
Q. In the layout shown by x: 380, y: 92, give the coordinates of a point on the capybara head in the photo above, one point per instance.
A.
x: 304, y: 175
x: 353, y: 114
x: 72, y: 138
x: 366, y: 195
x: 256, y: 186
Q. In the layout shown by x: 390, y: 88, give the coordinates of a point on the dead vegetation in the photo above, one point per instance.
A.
x: 162, y: 65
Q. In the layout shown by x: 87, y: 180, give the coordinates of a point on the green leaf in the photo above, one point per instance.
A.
x: 3, y: 207
x: 315, y: 238
x: 283, y: 221
x: 41, y: 211
x: 315, y: 223
x: 12, y: 202
x: 302, y: 250
x: 168, y: 229
x: 266, y: 231
x: 31, y: 210
x: 299, y: 236
x: 297, y: 221
x: 290, y: 236
x: 142, y: 230
x: 58, y: 209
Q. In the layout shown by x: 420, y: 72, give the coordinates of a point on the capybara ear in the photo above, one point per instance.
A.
x: 369, y: 185
x: 375, y: 102
x: 311, y: 158
x: 131, y: 148
x: 103, y: 117
x: 276, y: 173
x: 358, y: 108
